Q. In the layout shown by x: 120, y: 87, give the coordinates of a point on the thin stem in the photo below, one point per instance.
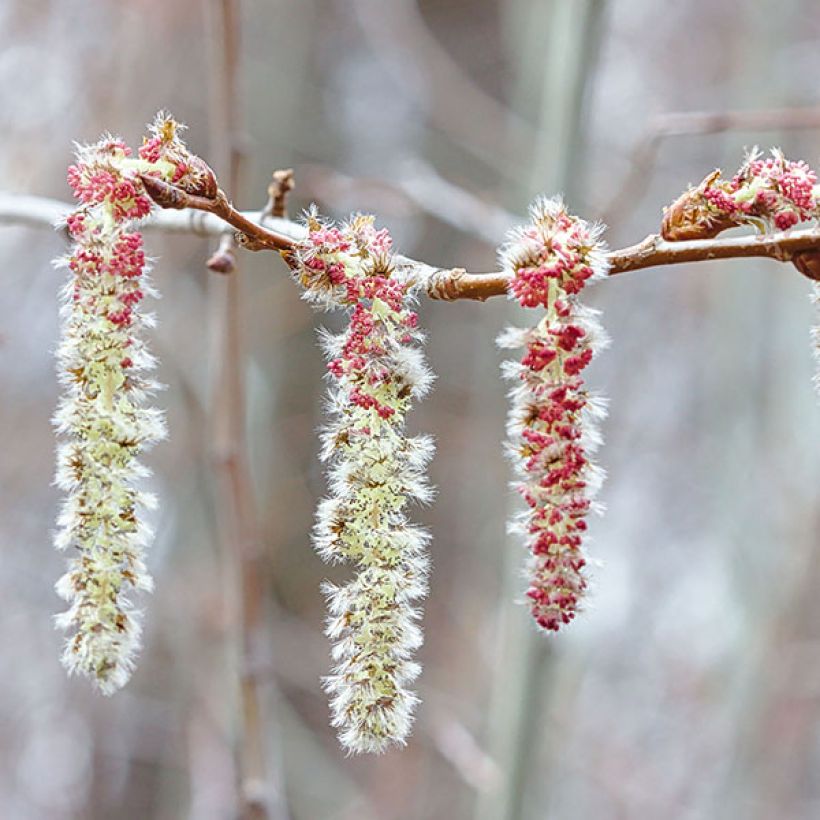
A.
x: 254, y: 236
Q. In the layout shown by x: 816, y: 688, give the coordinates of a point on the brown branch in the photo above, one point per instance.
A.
x: 449, y: 285
x: 253, y: 236
x: 798, y: 247
x: 791, y: 246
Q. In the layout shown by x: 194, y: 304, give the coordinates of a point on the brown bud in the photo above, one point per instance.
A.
x: 165, y: 195
x: 808, y: 263
x: 205, y: 179
x: 223, y: 260
x: 691, y: 217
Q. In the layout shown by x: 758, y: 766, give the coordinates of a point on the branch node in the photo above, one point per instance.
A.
x: 444, y: 284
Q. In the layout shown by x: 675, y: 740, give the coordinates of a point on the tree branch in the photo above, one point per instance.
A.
x: 653, y: 252
x: 445, y: 284
x: 259, y: 781
x: 253, y: 236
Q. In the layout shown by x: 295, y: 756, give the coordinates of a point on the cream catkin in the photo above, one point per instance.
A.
x: 375, y: 469
x: 102, y: 418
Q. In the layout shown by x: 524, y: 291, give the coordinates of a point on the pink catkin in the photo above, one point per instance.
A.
x: 550, y: 420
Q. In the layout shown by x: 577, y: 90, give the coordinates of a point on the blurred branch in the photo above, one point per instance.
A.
x: 418, y: 184
x: 680, y: 123
x: 223, y: 259
x: 259, y: 784
x: 44, y: 212
x: 686, y: 123
x: 397, y: 33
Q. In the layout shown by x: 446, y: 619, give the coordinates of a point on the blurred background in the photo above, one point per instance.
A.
x: 690, y: 688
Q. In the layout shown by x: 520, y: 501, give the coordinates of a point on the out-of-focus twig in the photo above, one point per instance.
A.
x: 421, y: 187
x: 456, y: 744
x: 223, y: 259
x: 396, y: 32
x: 44, y: 212
x: 260, y: 787
x: 688, y: 123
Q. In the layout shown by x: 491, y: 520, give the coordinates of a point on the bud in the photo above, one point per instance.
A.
x: 165, y: 150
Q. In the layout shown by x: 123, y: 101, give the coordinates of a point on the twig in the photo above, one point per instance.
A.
x: 44, y: 212
x: 254, y: 236
x: 281, y: 185
x: 652, y: 252
x: 223, y: 259
x: 679, y: 123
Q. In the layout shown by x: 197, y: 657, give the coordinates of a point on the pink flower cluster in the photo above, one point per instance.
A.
x: 330, y: 271
x: 551, y: 427
x: 558, y: 256
x: 121, y: 258
x: 172, y: 161
x: 98, y: 178
x: 774, y: 189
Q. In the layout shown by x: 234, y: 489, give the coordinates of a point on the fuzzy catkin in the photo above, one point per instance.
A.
x: 552, y: 425
x: 102, y: 419
x: 375, y: 469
